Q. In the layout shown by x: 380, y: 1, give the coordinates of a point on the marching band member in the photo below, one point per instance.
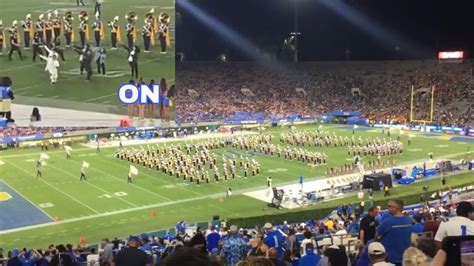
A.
x: 2, y: 38
x: 98, y: 27
x: 68, y: 28
x: 154, y: 25
x: 115, y: 36
x: 36, y: 46
x: 48, y: 29
x: 147, y: 33
x: 39, y: 27
x: 164, y: 34
x: 27, y: 26
x: 56, y: 26
x: 130, y: 29
x: 14, y: 45
x: 83, y: 28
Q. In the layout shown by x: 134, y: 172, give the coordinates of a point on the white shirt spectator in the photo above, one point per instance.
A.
x: 455, y: 227
x: 93, y: 260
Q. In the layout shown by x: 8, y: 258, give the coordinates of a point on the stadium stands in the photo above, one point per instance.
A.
x: 217, y: 90
x: 285, y: 244
x: 13, y: 132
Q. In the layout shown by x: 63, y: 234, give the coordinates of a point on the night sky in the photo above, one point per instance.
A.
x: 419, y: 27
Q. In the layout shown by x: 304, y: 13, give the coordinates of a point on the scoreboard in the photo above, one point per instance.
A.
x: 451, y: 56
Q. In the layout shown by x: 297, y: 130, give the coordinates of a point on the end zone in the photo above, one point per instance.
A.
x: 17, y: 211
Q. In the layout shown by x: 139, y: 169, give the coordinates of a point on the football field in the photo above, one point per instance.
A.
x: 59, y: 208
x: 31, y: 83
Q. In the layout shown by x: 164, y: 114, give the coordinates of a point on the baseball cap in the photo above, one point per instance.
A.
x: 268, y: 226
x: 233, y: 229
x: 464, y: 208
x: 144, y: 236
x: 133, y: 238
x: 376, y: 248
x: 15, y: 252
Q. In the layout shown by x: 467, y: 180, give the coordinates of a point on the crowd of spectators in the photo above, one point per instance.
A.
x: 396, y: 236
x: 216, y: 91
x: 31, y: 131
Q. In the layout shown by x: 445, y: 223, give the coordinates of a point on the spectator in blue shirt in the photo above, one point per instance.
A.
x: 14, y: 260
x: 353, y: 227
x: 169, y: 237
x: 145, y: 246
x: 70, y: 252
x: 395, y: 232
x: 273, y: 239
x: 78, y: 257
x: 42, y: 261
x: 234, y: 248
x: 181, y: 227
x: 29, y: 258
x: 417, y: 226
x: 310, y: 259
x: 212, y: 238
x: 363, y: 259
x: 284, y: 227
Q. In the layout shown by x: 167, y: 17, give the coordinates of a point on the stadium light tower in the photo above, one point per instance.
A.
x: 296, y: 33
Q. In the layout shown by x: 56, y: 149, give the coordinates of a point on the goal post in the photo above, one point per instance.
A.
x: 412, y: 106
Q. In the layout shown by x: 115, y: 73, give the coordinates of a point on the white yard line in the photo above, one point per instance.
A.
x: 19, y: 67
x: 103, y: 214
x: 224, y: 209
x: 24, y: 88
x: 27, y: 199
x: 123, y: 180
x: 100, y: 97
x: 38, y: 153
x: 97, y: 187
x: 56, y: 188
x: 154, y: 178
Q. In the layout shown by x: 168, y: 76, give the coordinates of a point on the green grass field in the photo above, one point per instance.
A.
x: 31, y: 82
x: 106, y: 206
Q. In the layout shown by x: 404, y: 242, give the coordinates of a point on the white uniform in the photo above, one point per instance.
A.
x: 456, y: 226
x: 52, y: 64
